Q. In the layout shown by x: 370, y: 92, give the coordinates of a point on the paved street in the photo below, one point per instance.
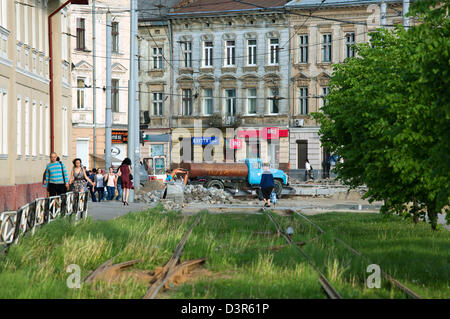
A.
x: 112, y: 209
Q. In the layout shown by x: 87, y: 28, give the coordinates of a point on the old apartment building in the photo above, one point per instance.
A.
x: 230, y: 82
x: 155, y: 74
x: 88, y: 120
x: 317, y: 42
x: 27, y: 133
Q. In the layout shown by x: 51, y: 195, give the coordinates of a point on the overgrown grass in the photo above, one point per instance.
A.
x: 239, y: 262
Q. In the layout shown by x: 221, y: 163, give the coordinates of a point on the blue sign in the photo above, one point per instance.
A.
x: 205, y: 140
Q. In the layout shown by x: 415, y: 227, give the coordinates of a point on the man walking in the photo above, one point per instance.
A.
x: 55, y: 177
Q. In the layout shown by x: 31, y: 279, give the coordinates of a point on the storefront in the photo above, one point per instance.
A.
x: 155, y: 154
x: 271, y: 144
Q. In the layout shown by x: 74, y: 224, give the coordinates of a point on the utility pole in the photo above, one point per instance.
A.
x: 132, y: 98
x: 405, y: 12
x: 108, y: 120
x: 383, y: 13
x: 94, y: 86
x: 137, y: 134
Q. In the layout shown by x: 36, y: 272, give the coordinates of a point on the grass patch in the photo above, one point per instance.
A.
x: 239, y: 261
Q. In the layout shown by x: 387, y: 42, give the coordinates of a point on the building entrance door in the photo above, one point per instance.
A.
x: 302, y: 153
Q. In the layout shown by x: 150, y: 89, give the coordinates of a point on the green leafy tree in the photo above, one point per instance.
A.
x: 388, y: 116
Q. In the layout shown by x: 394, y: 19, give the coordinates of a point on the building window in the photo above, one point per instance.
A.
x: 230, y: 53
x: 80, y: 93
x: 349, y: 42
x: 115, y: 36
x: 18, y: 22
x: 274, y: 101
x: 208, y: 101
x: 325, y: 92
x: 157, y: 58
x: 208, y: 51
x: 274, y: 51
x: 187, y: 102
x: 64, y: 33
x: 303, y: 40
x: 326, y: 47
x: 157, y: 103
x: 19, y: 126
x: 251, y: 51
x: 34, y: 129
x: 303, y: 109
x: 4, y: 14
x: 251, y: 101
x: 41, y: 129
x: 25, y: 23
x: 187, y: 54
x: 230, y: 102
x: 27, y: 127
x: 47, y: 129
x: 81, y: 31
x: 115, y: 95
x: 65, y: 131
x: 4, y: 122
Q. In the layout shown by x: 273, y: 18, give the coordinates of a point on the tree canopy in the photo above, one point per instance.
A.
x: 388, y: 115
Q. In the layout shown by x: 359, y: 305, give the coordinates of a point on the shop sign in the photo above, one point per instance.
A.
x: 235, y: 143
x: 119, y: 137
x: 267, y: 133
x: 205, y: 140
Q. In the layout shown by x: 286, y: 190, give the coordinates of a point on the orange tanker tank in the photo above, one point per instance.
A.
x: 216, y: 169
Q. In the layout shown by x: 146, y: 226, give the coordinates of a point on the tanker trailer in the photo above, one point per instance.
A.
x: 242, y: 176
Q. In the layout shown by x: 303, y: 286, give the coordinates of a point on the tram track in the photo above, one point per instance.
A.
x: 396, y: 283
x: 328, y: 288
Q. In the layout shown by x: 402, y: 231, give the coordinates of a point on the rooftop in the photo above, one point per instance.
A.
x: 220, y: 6
x: 328, y: 3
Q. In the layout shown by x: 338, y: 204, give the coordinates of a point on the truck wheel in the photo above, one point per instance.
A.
x: 215, y: 184
x: 278, y: 188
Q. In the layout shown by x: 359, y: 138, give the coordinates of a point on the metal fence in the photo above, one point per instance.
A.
x: 41, y: 211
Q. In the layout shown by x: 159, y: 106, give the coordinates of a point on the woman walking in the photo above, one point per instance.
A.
x: 308, y: 170
x: 111, y: 183
x: 124, y: 173
x: 78, y: 177
x: 99, y: 184
x: 267, y: 184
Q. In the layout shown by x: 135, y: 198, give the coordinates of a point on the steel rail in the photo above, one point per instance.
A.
x: 169, y: 268
x: 330, y: 291
x: 396, y: 283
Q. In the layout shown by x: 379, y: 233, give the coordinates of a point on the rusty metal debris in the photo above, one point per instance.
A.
x: 163, y: 277
x: 108, y: 268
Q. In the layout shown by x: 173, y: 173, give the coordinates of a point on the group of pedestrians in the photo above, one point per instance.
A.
x: 57, y: 180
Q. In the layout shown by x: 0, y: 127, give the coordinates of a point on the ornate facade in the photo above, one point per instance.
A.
x: 318, y: 42
x: 231, y: 73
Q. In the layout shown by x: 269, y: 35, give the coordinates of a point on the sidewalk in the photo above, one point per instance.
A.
x: 111, y: 209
